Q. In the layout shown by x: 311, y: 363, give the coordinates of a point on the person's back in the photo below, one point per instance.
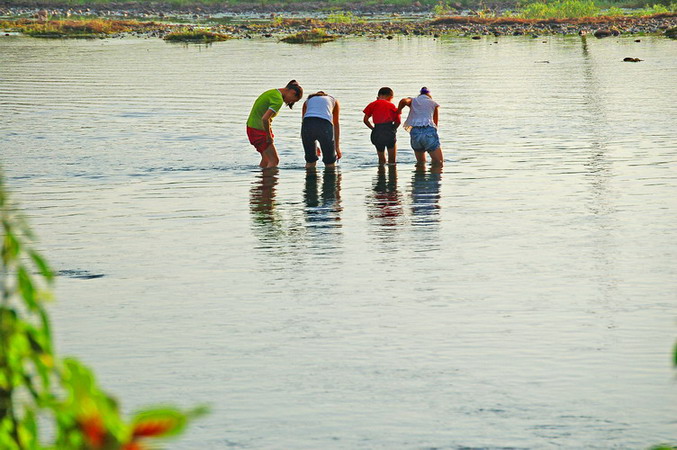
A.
x: 386, y: 118
x: 421, y: 112
x: 422, y: 123
x: 320, y: 125
x: 320, y: 106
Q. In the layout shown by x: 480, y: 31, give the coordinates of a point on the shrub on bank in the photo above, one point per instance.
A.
x: 575, y: 9
x: 560, y: 9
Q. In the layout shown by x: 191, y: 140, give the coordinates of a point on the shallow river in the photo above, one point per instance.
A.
x: 524, y: 297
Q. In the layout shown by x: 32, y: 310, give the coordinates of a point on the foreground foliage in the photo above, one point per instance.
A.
x: 36, y: 383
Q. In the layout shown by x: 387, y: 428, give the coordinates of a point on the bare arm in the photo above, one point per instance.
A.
x: 404, y: 102
x: 303, y: 111
x: 367, y: 122
x: 436, y: 115
x: 267, y: 118
x: 337, y: 128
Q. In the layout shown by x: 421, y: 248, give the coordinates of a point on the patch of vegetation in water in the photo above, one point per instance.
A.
x: 315, y: 36
x: 69, y: 28
x: 195, y: 36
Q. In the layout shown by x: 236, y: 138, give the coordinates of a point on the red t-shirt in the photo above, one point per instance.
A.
x: 382, y: 111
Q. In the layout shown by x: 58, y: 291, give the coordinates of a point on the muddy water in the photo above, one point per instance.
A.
x: 523, y: 297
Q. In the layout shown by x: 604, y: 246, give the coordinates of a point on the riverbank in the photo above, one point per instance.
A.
x: 247, y: 27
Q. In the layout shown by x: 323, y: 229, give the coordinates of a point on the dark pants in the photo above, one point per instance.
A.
x: 315, y: 129
x: 384, y: 136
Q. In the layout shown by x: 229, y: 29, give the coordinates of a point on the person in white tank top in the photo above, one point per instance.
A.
x: 421, y: 124
x: 321, y: 124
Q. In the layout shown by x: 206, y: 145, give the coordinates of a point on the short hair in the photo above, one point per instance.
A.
x: 386, y: 91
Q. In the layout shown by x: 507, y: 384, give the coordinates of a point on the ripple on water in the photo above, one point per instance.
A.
x: 512, y: 300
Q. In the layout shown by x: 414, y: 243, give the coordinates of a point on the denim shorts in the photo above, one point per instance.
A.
x: 424, y: 139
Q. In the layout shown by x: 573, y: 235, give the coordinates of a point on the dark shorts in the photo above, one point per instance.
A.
x: 315, y: 129
x: 384, y: 136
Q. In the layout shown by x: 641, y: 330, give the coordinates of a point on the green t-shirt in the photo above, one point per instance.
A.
x: 271, y: 99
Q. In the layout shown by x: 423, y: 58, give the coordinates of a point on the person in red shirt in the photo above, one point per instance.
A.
x: 386, y: 119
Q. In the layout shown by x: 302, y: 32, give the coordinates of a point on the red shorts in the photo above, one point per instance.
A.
x: 258, y: 138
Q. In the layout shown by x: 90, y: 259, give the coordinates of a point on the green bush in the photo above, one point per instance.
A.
x: 343, y: 17
x: 560, y: 9
x: 613, y: 12
x: 34, y: 382
x: 656, y: 9
x: 442, y: 9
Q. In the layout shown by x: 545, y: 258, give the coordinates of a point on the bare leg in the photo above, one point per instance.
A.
x: 310, y: 165
x: 437, y: 157
x: 381, y: 158
x: 271, y: 157
x: 420, y: 158
x: 264, y: 161
x: 392, y: 154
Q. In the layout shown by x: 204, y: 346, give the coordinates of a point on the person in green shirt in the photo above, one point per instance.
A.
x: 265, y: 108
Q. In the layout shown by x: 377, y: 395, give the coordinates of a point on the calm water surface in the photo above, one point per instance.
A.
x: 524, y: 297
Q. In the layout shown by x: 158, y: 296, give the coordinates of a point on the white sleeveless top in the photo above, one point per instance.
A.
x: 321, y: 106
x: 421, y: 112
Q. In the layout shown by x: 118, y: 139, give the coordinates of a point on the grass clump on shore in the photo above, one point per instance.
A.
x: 576, y: 9
x: 195, y: 36
x: 72, y: 28
x: 75, y: 28
x: 652, y: 10
x: 315, y: 36
x: 343, y: 17
x: 560, y: 9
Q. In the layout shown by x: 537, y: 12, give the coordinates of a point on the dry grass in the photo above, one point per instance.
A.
x: 76, y: 28
x: 195, y: 36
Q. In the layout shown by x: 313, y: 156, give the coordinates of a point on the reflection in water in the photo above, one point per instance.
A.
x: 425, y: 196
x: 323, y: 210
x: 266, y: 219
x: 599, y: 169
x: 385, y: 201
x: 269, y: 225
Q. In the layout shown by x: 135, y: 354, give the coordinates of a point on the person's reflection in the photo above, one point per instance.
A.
x: 266, y: 220
x: 323, y: 208
x: 425, y: 196
x: 385, y: 205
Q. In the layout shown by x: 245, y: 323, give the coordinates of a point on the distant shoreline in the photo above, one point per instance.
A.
x: 243, y: 7
x: 112, y: 23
